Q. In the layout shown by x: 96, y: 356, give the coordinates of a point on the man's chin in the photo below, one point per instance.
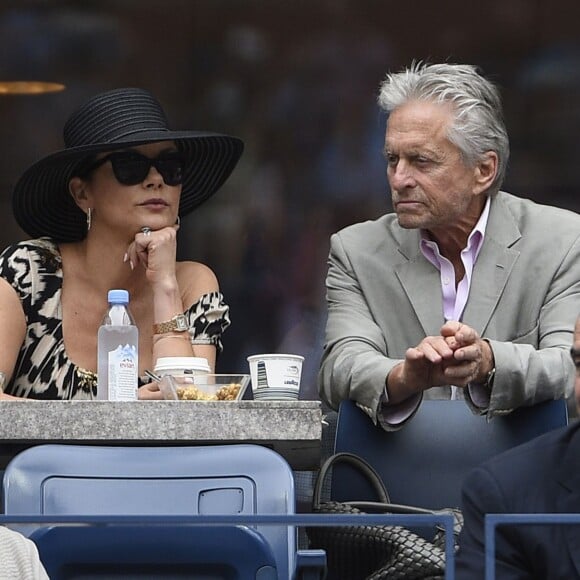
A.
x: 409, y: 223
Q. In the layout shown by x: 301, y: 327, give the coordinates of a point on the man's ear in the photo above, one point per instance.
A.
x: 485, y: 172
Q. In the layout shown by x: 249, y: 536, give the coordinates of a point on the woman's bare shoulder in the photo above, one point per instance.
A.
x: 195, y: 279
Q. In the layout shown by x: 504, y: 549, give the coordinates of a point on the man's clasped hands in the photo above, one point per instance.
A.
x: 458, y: 356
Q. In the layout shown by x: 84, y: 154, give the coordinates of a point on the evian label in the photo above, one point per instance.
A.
x: 123, y: 373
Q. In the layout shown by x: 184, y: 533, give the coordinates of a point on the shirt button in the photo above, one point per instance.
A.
x: 446, y: 280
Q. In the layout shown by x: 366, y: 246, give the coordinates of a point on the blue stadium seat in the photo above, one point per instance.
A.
x: 157, y: 552
x: 424, y: 463
x: 85, y: 480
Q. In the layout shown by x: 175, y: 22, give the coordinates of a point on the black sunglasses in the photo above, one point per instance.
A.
x: 131, y: 168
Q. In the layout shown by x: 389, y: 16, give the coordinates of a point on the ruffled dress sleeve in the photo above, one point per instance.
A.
x: 207, y: 320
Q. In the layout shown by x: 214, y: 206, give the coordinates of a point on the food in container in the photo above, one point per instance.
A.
x: 210, y: 387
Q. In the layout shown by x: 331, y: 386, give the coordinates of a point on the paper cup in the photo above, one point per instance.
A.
x: 276, y: 371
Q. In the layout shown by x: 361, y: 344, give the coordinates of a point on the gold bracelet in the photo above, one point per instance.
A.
x: 159, y: 337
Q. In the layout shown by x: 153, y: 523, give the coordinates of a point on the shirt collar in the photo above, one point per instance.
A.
x: 474, y: 240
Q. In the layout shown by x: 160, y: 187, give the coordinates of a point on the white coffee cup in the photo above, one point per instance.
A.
x: 181, y: 365
x: 277, y: 372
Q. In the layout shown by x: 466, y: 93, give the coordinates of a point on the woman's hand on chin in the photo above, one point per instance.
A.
x: 156, y: 251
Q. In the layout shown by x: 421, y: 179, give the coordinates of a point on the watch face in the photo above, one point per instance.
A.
x: 181, y: 322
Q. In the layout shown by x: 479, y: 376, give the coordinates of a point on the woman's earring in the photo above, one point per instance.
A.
x: 178, y: 221
x: 89, y: 218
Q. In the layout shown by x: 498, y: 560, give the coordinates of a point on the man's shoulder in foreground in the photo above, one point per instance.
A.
x: 528, y: 461
x: 539, y: 476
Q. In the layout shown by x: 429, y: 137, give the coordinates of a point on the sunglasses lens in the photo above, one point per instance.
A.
x: 171, y: 168
x: 130, y: 169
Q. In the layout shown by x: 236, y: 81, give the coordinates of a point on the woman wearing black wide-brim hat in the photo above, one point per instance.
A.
x: 104, y: 213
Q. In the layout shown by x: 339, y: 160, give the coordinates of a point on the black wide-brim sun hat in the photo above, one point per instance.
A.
x: 113, y: 120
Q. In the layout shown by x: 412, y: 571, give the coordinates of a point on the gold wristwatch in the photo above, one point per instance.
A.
x: 176, y: 324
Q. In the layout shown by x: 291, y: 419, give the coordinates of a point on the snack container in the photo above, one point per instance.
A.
x: 207, y: 387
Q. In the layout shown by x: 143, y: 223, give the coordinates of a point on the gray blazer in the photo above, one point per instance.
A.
x: 384, y: 297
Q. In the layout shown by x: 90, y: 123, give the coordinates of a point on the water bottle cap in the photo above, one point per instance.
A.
x: 118, y: 297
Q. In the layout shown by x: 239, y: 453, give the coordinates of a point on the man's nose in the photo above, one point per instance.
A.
x: 401, y: 175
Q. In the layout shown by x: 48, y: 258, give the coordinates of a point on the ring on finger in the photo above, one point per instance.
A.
x: 146, y: 231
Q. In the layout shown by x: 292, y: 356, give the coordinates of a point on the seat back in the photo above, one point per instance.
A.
x: 204, y: 480
x: 424, y: 463
x: 165, y: 552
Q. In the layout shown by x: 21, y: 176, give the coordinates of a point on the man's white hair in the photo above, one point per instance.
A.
x: 478, y: 125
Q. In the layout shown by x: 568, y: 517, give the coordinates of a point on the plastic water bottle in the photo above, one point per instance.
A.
x: 117, y: 351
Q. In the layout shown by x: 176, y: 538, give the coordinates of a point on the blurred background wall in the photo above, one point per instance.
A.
x: 297, y: 80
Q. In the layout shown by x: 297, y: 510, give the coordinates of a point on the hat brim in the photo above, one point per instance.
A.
x: 43, y: 206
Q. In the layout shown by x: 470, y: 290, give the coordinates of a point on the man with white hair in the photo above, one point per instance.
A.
x: 465, y: 291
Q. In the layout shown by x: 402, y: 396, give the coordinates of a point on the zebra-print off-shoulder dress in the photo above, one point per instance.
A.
x: 43, y: 369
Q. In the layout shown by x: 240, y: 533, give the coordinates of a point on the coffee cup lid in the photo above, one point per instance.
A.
x: 275, y: 356
x: 184, y: 363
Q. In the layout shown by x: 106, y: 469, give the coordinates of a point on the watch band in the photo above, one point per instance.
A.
x: 176, y: 324
x: 491, y: 374
x: 488, y: 383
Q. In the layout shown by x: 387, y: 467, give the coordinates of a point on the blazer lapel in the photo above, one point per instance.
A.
x: 493, y: 266
x: 416, y: 275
